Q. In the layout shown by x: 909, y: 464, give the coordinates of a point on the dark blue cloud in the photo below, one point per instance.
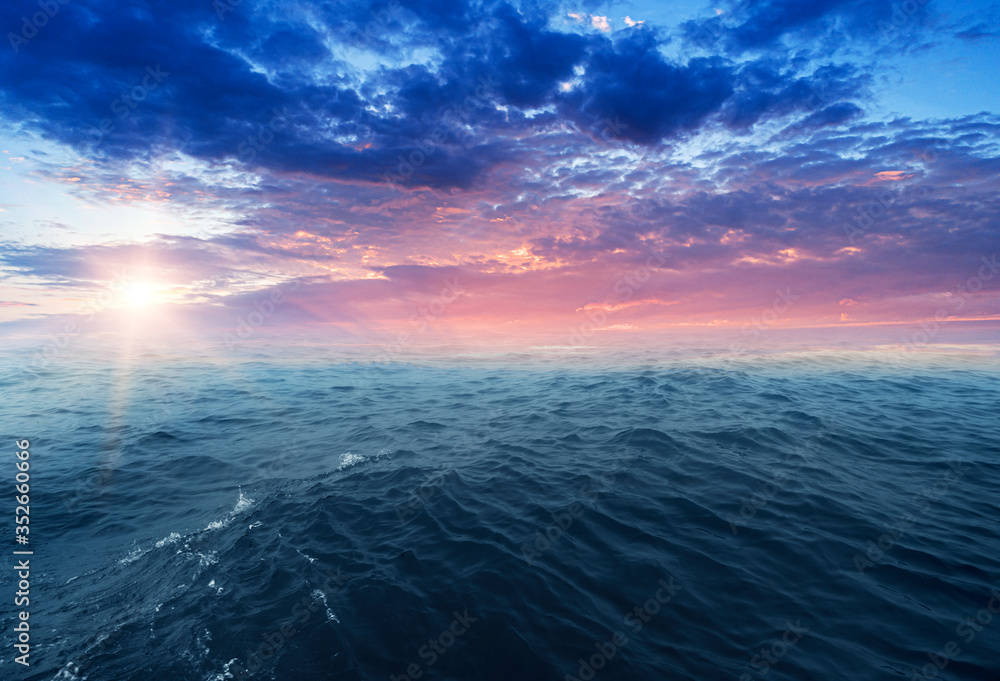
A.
x: 533, y: 60
x: 763, y: 24
x: 766, y: 89
x: 835, y: 114
x: 257, y: 85
x: 293, y: 43
x: 980, y: 31
x: 629, y: 80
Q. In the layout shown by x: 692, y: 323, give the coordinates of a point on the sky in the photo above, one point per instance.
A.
x: 499, y: 169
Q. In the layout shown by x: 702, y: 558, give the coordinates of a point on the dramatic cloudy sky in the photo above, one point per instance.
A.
x: 645, y: 165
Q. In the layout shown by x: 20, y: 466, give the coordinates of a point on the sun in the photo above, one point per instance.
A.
x: 139, y: 294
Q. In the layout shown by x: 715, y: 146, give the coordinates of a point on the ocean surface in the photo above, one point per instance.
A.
x: 517, y: 517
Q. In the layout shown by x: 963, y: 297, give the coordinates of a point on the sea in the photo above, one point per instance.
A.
x: 518, y: 516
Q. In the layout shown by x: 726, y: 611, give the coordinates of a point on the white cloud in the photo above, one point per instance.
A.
x: 600, y: 23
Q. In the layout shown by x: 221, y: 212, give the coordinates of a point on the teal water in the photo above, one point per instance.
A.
x: 807, y: 516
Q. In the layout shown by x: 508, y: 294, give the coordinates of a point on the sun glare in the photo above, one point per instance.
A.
x: 139, y: 294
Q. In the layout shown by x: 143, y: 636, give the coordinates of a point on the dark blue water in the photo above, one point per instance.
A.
x: 805, y: 517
